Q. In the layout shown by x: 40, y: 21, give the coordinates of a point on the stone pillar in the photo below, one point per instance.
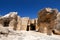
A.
x: 13, y: 24
x: 1, y: 22
x: 18, y: 23
x: 41, y: 28
x: 28, y: 25
x: 24, y: 23
x: 36, y: 19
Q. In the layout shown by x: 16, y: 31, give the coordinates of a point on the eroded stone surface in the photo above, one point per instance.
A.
x: 29, y: 35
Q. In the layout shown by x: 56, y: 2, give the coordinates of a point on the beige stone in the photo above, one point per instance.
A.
x: 1, y: 22
x: 18, y: 23
x: 57, y: 25
x: 24, y: 23
x: 47, y: 16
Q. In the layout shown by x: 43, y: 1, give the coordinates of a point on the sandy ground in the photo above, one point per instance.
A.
x: 29, y: 35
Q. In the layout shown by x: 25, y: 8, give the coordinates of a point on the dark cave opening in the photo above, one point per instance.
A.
x: 6, y: 23
x: 32, y: 27
x: 27, y: 27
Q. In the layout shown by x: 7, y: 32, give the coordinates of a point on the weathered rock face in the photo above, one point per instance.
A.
x: 10, y: 20
x: 1, y: 22
x: 15, y: 22
x: 57, y: 26
x: 33, y: 24
x: 24, y: 23
x: 36, y: 19
x: 18, y: 23
x: 32, y: 21
x: 46, y: 20
x: 4, y: 31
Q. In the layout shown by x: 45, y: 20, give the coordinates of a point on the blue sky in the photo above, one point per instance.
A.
x: 27, y: 8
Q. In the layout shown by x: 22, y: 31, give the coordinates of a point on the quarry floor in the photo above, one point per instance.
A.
x: 29, y: 35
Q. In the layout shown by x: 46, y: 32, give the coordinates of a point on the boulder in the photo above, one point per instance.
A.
x: 57, y: 26
x: 46, y: 20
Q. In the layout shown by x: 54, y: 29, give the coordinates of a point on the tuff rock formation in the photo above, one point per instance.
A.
x: 46, y: 20
x: 18, y: 23
x: 24, y: 23
x: 9, y: 20
x: 14, y: 22
x: 57, y: 25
